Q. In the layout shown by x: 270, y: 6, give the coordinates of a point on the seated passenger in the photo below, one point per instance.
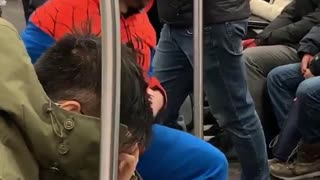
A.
x: 45, y: 137
x: 268, y: 10
x: 276, y: 46
x: 137, y: 32
x: 52, y: 142
x: 298, y: 81
x: 48, y: 25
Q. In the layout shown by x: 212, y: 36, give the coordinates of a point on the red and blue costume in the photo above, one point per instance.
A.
x: 56, y: 18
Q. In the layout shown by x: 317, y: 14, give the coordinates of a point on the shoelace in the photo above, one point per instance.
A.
x: 274, y: 142
x: 294, y: 152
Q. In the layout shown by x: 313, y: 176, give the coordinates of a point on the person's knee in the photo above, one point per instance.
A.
x: 254, y: 65
x: 222, y: 162
x: 308, y: 89
x: 279, y: 75
x: 249, y: 59
x: 274, y: 77
x: 215, y: 164
x: 188, y: 156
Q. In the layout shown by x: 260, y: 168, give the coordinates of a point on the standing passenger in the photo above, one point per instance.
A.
x: 224, y: 74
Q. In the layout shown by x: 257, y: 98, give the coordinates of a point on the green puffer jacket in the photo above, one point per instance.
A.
x: 38, y: 140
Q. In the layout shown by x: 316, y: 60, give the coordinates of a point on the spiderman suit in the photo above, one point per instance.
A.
x: 55, y: 19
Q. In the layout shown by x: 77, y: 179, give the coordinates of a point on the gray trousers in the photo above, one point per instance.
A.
x: 259, y: 62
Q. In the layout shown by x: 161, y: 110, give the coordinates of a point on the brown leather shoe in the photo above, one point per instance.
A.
x: 306, y: 166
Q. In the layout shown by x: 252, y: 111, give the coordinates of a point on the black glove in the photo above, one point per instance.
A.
x: 315, y: 65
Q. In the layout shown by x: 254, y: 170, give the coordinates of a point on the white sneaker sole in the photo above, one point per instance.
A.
x: 301, y: 177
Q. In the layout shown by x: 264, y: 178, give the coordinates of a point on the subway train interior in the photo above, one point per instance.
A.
x: 160, y: 89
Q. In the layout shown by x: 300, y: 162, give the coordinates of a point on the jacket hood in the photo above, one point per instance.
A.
x: 59, y: 140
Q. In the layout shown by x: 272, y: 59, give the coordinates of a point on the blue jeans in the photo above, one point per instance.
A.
x: 286, y: 83
x: 178, y: 155
x: 224, y: 82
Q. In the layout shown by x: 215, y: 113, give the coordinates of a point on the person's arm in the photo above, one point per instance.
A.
x: 294, y: 32
x: 155, y: 85
x: 157, y: 94
x: 309, y: 47
x: 16, y: 160
x: 310, y: 44
x: 36, y: 41
x: 284, y: 19
x: 266, y: 10
x: 127, y: 164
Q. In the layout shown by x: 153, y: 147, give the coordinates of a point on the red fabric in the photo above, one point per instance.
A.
x: 138, y: 30
x: 60, y: 17
x: 249, y: 43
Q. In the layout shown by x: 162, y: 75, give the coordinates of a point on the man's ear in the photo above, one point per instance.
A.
x: 73, y: 106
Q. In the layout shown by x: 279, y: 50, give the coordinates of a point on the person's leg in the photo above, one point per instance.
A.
x: 174, y: 71
x: 282, y: 84
x: 308, y: 161
x: 309, y: 95
x: 259, y: 62
x: 229, y: 98
x: 284, y: 145
x: 178, y: 155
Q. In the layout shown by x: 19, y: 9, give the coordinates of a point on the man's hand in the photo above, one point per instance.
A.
x: 308, y: 74
x: 128, y: 163
x: 248, y: 43
x: 156, y: 99
x: 307, y: 58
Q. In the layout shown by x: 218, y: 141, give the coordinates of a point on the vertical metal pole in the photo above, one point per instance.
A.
x: 110, y: 98
x: 198, y: 67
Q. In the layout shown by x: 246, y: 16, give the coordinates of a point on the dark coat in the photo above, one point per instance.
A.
x: 180, y: 12
x: 292, y: 24
x: 310, y: 44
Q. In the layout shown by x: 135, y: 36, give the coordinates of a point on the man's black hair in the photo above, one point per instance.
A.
x: 71, y: 70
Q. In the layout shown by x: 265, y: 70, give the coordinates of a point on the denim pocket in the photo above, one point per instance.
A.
x: 206, y: 30
x: 235, y: 32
